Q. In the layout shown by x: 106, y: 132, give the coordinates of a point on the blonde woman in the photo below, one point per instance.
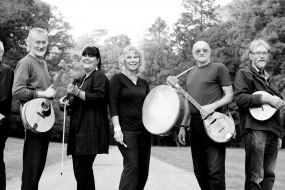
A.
x: 127, y: 94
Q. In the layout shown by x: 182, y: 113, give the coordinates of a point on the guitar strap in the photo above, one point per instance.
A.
x: 262, y: 81
x: 186, y: 71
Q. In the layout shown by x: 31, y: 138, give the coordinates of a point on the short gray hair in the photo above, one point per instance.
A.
x: 259, y: 42
x: 31, y: 35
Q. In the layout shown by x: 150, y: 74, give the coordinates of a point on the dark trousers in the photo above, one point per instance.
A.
x: 83, y: 171
x: 261, y: 148
x: 136, y: 160
x: 4, y: 132
x: 208, y: 157
x: 34, y: 158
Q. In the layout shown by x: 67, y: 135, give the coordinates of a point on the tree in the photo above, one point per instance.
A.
x: 158, y: 54
x: 111, y: 51
x: 199, y: 16
x: 16, y: 19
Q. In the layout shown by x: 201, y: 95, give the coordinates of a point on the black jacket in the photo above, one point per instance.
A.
x: 6, y: 82
x: 248, y: 81
x: 89, y: 124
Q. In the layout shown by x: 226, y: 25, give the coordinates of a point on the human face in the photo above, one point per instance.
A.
x: 39, y: 43
x: 259, y: 57
x: 201, y: 52
x: 90, y: 62
x: 132, y: 61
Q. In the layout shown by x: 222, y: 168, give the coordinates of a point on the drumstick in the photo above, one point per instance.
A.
x: 124, y: 144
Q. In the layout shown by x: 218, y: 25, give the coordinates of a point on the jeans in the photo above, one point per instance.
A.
x: 83, y: 172
x: 208, y: 157
x: 261, y: 148
x: 136, y: 160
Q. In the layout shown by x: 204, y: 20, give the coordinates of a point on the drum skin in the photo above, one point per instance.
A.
x: 162, y: 109
x: 30, y: 117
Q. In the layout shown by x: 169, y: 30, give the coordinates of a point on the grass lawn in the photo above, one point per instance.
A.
x: 181, y: 157
x: 177, y: 156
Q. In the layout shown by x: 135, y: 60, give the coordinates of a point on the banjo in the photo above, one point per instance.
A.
x: 37, y: 114
x: 219, y: 127
x: 264, y: 111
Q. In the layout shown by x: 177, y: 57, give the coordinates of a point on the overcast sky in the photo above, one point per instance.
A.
x: 129, y: 17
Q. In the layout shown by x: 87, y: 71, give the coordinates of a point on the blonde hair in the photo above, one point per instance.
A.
x: 31, y: 34
x: 1, y: 50
x: 258, y: 42
x: 125, y: 53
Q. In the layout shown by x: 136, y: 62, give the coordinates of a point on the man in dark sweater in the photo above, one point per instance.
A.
x: 262, y: 138
x: 6, y: 82
x: 32, y: 81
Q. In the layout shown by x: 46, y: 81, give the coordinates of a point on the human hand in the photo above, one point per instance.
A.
x: 276, y: 102
x: 207, y: 110
x: 48, y: 93
x: 119, y: 137
x: 72, y: 89
x: 64, y: 100
x: 279, y: 143
x: 181, y: 136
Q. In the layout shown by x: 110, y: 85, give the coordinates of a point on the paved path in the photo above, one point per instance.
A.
x: 107, y: 171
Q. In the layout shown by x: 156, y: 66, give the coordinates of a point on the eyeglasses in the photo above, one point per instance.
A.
x: 259, y: 53
x: 201, y: 51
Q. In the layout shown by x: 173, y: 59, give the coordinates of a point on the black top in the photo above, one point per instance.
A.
x: 248, y: 81
x: 89, y: 124
x: 126, y: 101
x: 205, y: 84
x: 6, y: 83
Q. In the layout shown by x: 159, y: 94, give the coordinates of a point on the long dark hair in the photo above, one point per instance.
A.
x: 93, y: 51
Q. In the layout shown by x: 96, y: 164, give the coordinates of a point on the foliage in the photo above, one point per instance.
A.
x: 158, y: 54
x: 16, y: 19
x: 199, y: 16
x: 228, y: 30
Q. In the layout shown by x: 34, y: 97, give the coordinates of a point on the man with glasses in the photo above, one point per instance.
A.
x: 210, y: 85
x: 262, y: 138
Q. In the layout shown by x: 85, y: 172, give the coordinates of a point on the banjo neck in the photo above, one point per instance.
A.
x: 186, y: 95
x: 46, y: 104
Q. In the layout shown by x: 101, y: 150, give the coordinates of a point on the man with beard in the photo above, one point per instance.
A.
x: 262, y: 139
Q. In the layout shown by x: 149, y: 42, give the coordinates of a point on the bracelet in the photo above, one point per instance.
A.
x: 117, y: 128
x: 78, y: 92
x: 182, y: 126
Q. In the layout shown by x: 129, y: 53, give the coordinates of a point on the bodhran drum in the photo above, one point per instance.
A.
x: 163, y: 108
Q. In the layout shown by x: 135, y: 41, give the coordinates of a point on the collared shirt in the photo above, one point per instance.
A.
x: 263, y: 74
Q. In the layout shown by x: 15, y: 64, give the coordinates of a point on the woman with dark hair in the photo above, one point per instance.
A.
x: 89, y: 125
x: 127, y: 94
